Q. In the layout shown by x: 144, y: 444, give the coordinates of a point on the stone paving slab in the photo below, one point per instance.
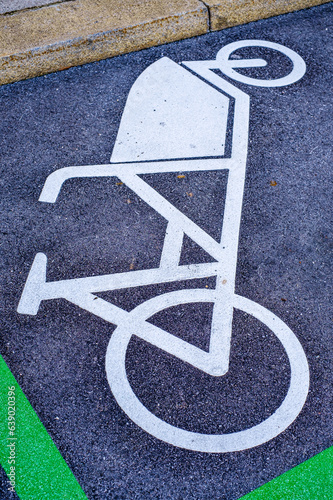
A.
x: 76, y: 32
x: 7, y: 6
x: 227, y: 13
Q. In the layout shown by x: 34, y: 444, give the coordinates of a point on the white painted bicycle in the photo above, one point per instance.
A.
x: 172, y: 112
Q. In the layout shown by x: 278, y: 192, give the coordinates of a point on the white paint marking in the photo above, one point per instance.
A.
x: 55, y: 180
x: 227, y: 65
x: 172, y: 246
x: 211, y: 443
x: 155, y: 99
x: 37, y: 288
x: 150, y: 129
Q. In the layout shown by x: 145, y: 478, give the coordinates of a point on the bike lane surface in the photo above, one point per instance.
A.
x: 72, y: 118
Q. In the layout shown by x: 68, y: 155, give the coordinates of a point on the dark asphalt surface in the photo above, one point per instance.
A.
x: 97, y: 227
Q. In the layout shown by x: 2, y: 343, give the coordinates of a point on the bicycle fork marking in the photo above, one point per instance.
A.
x: 81, y: 291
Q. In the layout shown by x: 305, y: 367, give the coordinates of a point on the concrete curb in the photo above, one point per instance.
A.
x: 76, y: 32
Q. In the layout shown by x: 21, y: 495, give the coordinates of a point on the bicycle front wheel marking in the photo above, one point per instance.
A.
x: 210, y: 443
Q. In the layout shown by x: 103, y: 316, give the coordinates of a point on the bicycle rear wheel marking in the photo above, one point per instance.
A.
x: 211, y: 443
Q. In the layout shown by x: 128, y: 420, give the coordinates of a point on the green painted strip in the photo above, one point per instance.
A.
x: 42, y: 474
x: 40, y: 471
x: 311, y: 480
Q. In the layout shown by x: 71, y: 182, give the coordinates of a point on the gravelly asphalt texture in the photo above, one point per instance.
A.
x: 97, y: 227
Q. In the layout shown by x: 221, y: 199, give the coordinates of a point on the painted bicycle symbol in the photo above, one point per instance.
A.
x: 191, y: 101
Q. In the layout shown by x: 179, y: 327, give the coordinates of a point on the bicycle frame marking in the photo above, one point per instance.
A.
x: 80, y: 291
x: 215, y: 362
